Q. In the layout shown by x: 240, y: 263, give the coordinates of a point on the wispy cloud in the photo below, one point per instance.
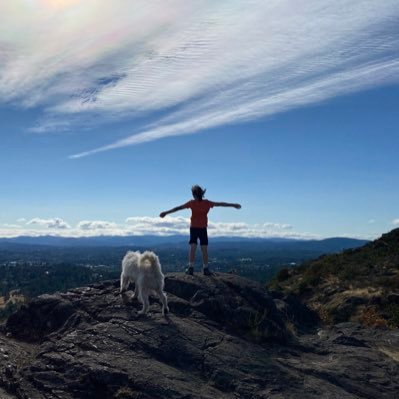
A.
x: 204, y: 63
x: 395, y: 222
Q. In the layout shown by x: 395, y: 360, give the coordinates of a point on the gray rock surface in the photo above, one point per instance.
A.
x: 225, y: 337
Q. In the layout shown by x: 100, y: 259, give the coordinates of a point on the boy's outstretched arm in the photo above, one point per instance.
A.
x: 177, y: 208
x: 237, y: 206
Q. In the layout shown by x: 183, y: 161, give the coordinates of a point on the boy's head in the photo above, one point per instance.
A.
x: 198, y: 192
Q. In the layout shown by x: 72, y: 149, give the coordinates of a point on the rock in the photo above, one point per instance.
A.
x: 247, y: 308
x: 42, y: 316
x: 303, y: 318
x: 5, y: 395
x: 224, y: 338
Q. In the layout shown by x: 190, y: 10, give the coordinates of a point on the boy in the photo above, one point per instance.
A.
x: 199, y: 223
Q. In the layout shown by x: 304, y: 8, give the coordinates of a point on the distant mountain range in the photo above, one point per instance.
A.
x: 327, y: 245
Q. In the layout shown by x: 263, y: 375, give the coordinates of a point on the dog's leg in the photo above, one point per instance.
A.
x: 164, y: 300
x: 124, y: 283
x: 141, y: 296
x: 138, y: 287
x: 146, y: 302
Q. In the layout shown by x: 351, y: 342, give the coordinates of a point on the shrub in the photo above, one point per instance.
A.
x: 302, y: 287
x: 125, y: 393
x: 9, y: 309
x: 312, y: 279
x: 323, y: 314
x: 392, y: 312
x: 371, y: 318
x: 283, y: 274
x: 389, y: 282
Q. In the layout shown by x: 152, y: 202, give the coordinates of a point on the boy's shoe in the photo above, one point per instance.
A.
x: 190, y: 271
x: 206, y: 271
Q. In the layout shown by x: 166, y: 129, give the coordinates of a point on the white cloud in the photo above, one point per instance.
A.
x: 168, y: 225
x: 12, y: 226
x: 21, y: 220
x: 395, y: 222
x: 283, y: 226
x: 215, y: 63
x: 145, y: 225
x: 155, y: 225
x: 96, y: 225
x: 180, y: 225
x: 54, y: 223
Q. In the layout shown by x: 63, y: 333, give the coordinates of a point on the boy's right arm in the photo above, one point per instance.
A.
x: 177, y: 208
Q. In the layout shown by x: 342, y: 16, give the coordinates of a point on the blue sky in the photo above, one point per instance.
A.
x: 110, y: 112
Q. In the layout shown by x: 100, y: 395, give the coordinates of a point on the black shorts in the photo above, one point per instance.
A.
x: 200, y: 233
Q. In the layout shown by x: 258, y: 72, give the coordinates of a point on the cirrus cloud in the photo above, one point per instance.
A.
x: 204, y: 64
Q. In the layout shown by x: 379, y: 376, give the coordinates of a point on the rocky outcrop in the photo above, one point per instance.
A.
x: 225, y: 337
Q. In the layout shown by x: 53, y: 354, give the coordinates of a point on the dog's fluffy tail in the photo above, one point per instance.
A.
x: 151, y: 258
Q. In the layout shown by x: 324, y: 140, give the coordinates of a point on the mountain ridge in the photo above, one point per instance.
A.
x: 360, y: 284
x: 51, y: 240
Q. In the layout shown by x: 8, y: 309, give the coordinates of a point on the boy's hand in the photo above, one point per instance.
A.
x: 237, y: 206
x: 162, y: 214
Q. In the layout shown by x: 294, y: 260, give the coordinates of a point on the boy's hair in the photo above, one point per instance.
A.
x: 198, y: 192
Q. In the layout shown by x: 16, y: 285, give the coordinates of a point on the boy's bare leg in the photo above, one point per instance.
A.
x: 204, y: 249
x: 191, y: 259
x: 205, y: 269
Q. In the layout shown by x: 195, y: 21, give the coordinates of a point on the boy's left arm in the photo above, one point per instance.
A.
x: 227, y: 204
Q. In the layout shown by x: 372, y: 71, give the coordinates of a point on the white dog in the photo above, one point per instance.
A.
x: 145, y: 271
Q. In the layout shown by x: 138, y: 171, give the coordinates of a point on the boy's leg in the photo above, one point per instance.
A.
x: 204, y: 249
x: 191, y: 259
x: 205, y: 268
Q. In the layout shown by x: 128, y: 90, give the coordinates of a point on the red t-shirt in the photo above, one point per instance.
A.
x: 199, y: 212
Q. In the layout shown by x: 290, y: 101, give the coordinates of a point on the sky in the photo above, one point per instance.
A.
x: 111, y: 111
